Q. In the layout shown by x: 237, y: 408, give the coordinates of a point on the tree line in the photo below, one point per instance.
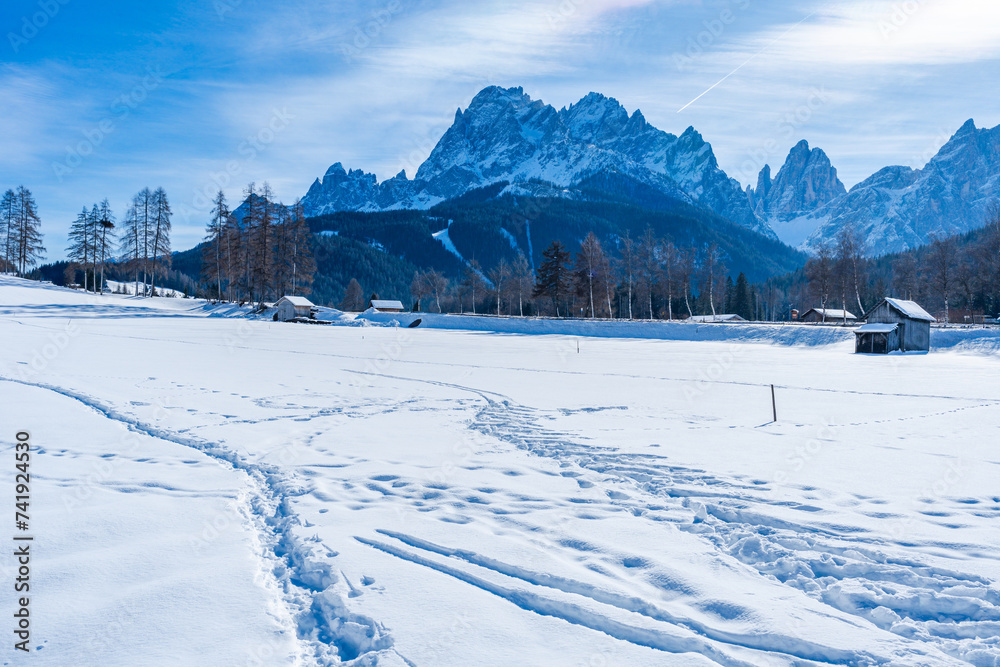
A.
x: 645, y: 278
x: 956, y: 278
x: 20, y: 232
x: 138, y: 248
x: 259, y: 252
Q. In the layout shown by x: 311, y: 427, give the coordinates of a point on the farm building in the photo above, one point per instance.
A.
x: 894, y: 324
x: 290, y: 307
x: 715, y: 318
x: 385, y: 306
x: 828, y: 315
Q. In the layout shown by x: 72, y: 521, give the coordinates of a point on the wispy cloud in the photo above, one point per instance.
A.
x: 490, y: 40
x: 886, y: 32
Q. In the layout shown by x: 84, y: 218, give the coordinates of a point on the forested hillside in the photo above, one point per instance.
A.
x: 459, y: 244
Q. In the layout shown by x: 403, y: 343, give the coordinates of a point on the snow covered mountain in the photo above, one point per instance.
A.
x: 898, y: 208
x: 804, y: 183
x: 504, y: 135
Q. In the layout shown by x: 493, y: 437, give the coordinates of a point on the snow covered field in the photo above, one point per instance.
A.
x: 212, y: 490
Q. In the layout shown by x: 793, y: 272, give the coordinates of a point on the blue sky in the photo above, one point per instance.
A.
x: 101, y: 99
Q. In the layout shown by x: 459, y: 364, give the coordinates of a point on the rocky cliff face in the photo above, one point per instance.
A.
x: 804, y: 183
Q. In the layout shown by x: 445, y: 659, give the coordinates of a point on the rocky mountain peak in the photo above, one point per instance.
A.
x: 504, y: 135
x: 806, y: 181
x: 594, y: 118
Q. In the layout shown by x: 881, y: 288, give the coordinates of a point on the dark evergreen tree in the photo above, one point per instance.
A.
x: 553, y: 279
x: 742, y: 300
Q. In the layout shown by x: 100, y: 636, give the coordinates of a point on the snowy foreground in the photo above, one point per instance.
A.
x: 213, y: 490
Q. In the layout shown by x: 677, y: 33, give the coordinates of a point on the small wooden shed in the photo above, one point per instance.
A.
x: 387, y: 306
x: 828, y: 315
x: 290, y: 307
x: 876, y: 338
x: 895, y: 324
x: 706, y: 319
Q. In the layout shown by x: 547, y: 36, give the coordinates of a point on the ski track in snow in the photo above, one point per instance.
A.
x: 842, y: 566
x: 333, y: 634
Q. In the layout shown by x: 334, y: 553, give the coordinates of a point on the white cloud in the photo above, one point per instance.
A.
x: 886, y: 32
x: 490, y: 40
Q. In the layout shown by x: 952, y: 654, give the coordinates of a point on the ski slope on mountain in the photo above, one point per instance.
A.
x: 253, y: 492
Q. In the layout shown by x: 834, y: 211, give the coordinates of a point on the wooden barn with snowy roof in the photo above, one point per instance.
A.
x: 386, y: 305
x: 291, y: 307
x: 894, y: 324
x: 828, y: 315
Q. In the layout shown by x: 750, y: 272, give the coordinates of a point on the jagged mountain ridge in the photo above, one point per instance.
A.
x: 900, y: 208
x: 504, y: 135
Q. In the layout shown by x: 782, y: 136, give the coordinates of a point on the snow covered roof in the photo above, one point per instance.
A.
x: 831, y: 314
x: 910, y: 309
x: 384, y: 304
x: 716, y: 318
x: 297, y: 301
x: 875, y: 328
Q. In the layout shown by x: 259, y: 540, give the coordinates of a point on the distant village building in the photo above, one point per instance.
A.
x: 290, y: 307
x: 715, y: 318
x: 894, y: 324
x: 828, y: 315
x: 386, y: 306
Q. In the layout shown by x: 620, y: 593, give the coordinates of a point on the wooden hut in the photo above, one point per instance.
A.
x: 290, y: 307
x: 706, y: 319
x: 894, y: 324
x: 386, y: 306
x: 828, y: 315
